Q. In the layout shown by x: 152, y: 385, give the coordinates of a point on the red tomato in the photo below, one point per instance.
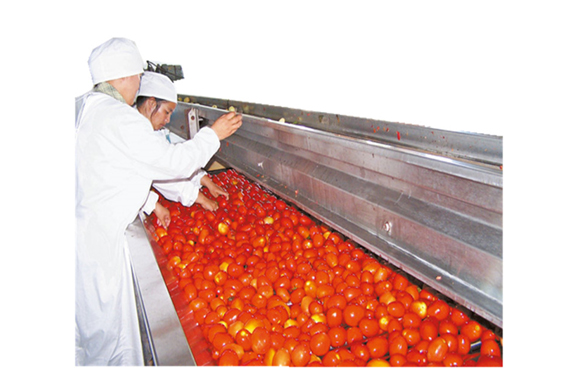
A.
x: 447, y: 327
x: 377, y: 346
x: 428, y: 330
x: 458, y: 317
x: 301, y: 354
x: 412, y: 336
x: 490, y: 348
x: 337, y: 301
x: 439, y: 310
x: 463, y: 344
x: 353, y: 314
x: 260, y: 340
x: 337, y: 336
x: 282, y: 358
x: 472, y: 330
x: 489, y: 361
x: 354, y: 334
x: 320, y: 344
x: 228, y: 358
x: 360, y: 351
x: 396, y: 309
x: 437, y: 350
x: 221, y: 339
x: 453, y: 360
x: 369, y: 327
x: 399, y: 282
x: 334, y: 317
x: 398, y: 346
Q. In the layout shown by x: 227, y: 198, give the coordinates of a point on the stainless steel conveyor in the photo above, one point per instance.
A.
x: 428, y: 201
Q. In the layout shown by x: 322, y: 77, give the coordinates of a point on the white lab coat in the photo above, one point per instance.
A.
x: 118, y: 155
x: 183, y: 191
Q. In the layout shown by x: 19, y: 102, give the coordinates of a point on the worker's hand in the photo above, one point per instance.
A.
x: 214, y: 189
x: 226, y: 125
x: 162, y: 214
x: 208, y: 204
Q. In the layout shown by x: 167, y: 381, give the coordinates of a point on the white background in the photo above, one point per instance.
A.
x: 493, y: 67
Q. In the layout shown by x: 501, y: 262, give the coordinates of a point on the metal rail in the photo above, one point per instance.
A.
x: 428, y: 201
x: 166, y: 343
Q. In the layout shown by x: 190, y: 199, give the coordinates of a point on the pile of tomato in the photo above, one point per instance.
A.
x: 263, y: 284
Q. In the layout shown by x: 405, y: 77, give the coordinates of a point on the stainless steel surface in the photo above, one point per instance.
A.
x: 168, y: 343
x: 429, y: 202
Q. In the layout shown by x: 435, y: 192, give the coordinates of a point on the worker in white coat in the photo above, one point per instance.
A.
x: 118, y: 155
x: 156, y: 100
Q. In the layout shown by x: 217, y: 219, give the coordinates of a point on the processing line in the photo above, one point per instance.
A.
x: 427, y: 201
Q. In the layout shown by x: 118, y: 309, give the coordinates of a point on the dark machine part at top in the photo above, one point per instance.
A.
x: 174, y: 72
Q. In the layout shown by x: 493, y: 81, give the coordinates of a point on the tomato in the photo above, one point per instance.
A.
x: 398, y: 345
x: 396, y: 309
x: 428, y: 330
x: 452, y: 342
x: 354, y: 334
x: 419, y: 307
x: 416, y: 358
x: 398, y: 360
x: 412, y: 336
x: 472, y: 330
x: 490, y: 348
x: 320, y: 344
x: 463, y: 344
x: 377, y: 346
x: 282, y: 358
x: 351, y: 293
x: 228, y: 358
x: 489, y: 361
x: 190, y: 292
x: 437, y: 350
x: 453, y: 360
x: 352, y: 314
x: 301, y: 354
x: 280, y: 205
x: 220, y: 340
x: 337, y: 336
x: 439, y: 310
x: 260, y: 340
x: 458, y: 317
x: 337, y: 301
x: 334, y: 317
x: 369, y: 327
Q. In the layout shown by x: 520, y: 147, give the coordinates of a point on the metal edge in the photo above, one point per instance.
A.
x: 169, y: 345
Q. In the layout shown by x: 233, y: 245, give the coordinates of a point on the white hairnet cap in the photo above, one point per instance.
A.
x: 158, y: 86
x: 116, y: 58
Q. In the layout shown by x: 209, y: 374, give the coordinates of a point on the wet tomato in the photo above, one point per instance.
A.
x: 369, y: 327
x: 377, y: 346
x: 337, y: 336
x: 438, y: 309
x: 352, y: 314
x: 437, y: 350
x: 320, y: 344
x: 472, y: 330
x: 490, y: 348
x: 489, y: 361
x: 260, y: 340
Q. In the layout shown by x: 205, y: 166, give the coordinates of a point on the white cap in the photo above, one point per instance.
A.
x: 116, y: 58
x: 159, y: 86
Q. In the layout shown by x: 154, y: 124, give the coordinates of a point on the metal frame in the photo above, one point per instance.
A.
x: 164, y: 340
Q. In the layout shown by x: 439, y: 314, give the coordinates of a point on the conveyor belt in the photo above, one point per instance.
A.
x: 428, y: 201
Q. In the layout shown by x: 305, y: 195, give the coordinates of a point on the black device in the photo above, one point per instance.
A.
x: 174, y: 72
